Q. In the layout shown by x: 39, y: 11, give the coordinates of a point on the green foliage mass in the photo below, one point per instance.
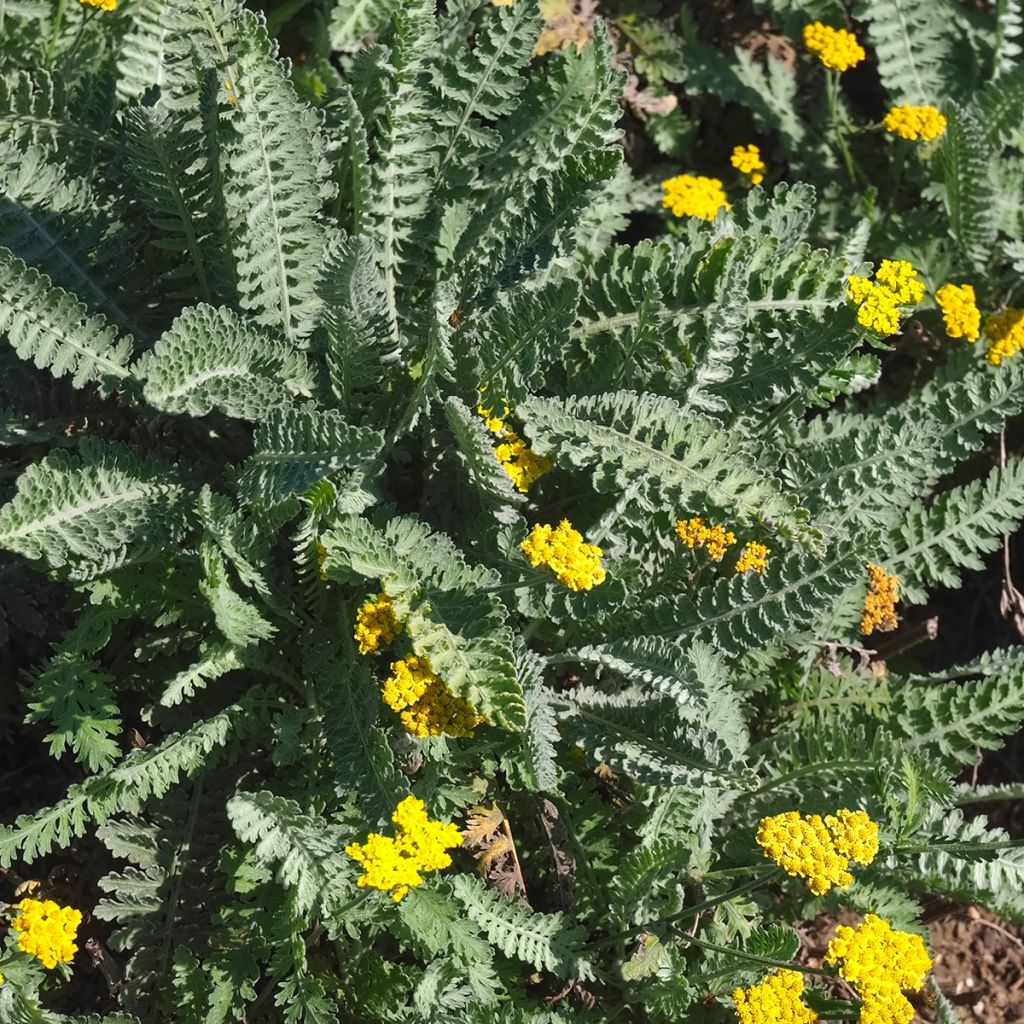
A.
x: 270, y: 299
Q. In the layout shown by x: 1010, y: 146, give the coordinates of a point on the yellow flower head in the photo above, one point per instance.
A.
x: 879, y: 611
x: 103, y: 5
x: 520, y: 462
x: 688, y: 195
x: 563, y: 550
x: 47, y: 931
x: 321, y: 557
x: 960, y: 311
x: 753, y: 556
x: 911, y: 122
x: 835, y: 47
x: 425, y: 704
x: 695, y: 534
x: 804, y: 848
x: 376, y: 625
x: 776, y: 1000
x: 896, y: 284
x: 1005, y: 332
x: 747, y: 160
x: 879, y: 961
x: 397, y: 864
x: 854, y: 835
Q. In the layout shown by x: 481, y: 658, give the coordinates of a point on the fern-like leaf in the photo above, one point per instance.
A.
x: 970, y: 197
x: 296, y: 448
x: 81, y: 510
x: 213, y: 359
x: 53, y: 329
x: 545, y: 941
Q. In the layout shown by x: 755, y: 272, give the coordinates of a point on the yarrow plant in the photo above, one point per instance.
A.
x: 446, y: 552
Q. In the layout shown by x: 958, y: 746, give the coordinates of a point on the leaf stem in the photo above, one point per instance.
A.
x: 58, y: 22
x: 765, y: 961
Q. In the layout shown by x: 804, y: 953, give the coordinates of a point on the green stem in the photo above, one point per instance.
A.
x: 838, y: 127
x: 953, y: 846
x: 69, y: 56
x: 683, y: 915
x: 764, y: 961
x: 58, y: 22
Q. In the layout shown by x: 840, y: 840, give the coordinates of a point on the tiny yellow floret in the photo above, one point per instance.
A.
x: 522, y: 464
x: 775, y: 1000
x: 753, y: 556
x: 836, y: 48
x: 747, y: 160
x: 47, y: 931
x: 103, y: 5
x: 1005, y: 332
x: 376, y: 625
x: 960, y: 311
x: 689, y: 195
x: 879, y: 962
x: 694, y: 533
x: 425, y: 704
x: 420, y: 845
x: 563, y: 550
x: 910, y: 122
x: 879, y: 612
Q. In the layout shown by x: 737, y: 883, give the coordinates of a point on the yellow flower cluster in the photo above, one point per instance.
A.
x: 835, y: 47
x: 753, y: 556
x: 1005, y: 332
x: 48, y: 931
x: 747, y: 160
x: 959, y: 311
x: 694, y: 533
x: 426, y: 706
x: 321, y: 557
x: 563, y: 550
x: 103, y: 5
x: 520, y: 462
x: 896, y: 284
x: 816, y: 849
x: 420, y: 845
x: 880, y: 602
x: 910, y: 122
x: 879, y: 962
x: 776, y: 1000
x: 689, y: 195
x: 376, y: 625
